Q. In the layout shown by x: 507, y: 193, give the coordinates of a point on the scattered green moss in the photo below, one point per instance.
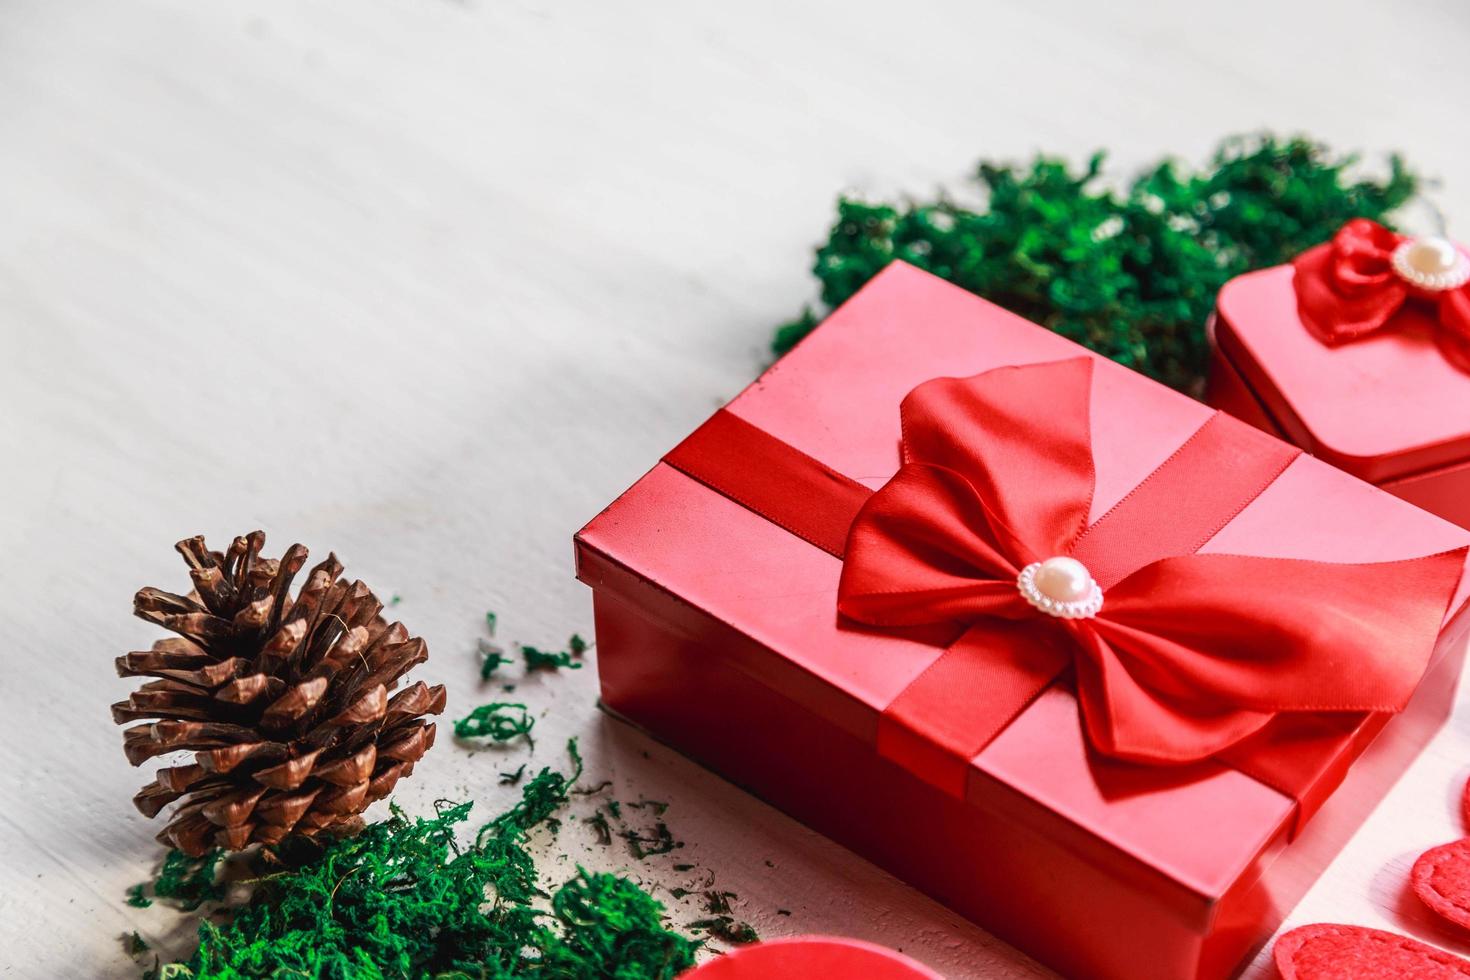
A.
x: 404, y: 899
x: 1131, y: 274
x: 498, y: 721
x: 546, y: 660
x: 608, y: 823
x: 184, y: 882
x: 189, y: 882
x: 646, y: 842
x: 727, y: 929
x: 492, y: 658
x: 600, y: 827
x: 721, y: 922
x: 594, y: 789
x: 546, y: 793
x: 513, y: 778
x: 717, y: 902
x: 134, y: 944
x: 659, y: 807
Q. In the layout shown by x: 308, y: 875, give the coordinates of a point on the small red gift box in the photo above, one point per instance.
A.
x: 1096, y: 666
x: 1345, y: 356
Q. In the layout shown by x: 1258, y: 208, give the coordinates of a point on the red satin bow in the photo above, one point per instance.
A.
x: 1348, y: 288
x: 1189, y: 654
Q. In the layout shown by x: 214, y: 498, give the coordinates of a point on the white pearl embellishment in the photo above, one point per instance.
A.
x: 1433, y: 264
x: 1061, y: 587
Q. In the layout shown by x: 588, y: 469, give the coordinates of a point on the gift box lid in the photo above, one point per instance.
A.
x: 1381, y: 407
x: 835, y: 398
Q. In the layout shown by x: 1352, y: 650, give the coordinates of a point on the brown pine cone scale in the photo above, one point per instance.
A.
x: 289, y: 706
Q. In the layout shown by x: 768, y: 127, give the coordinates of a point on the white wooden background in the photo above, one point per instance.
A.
x: 429, y: 282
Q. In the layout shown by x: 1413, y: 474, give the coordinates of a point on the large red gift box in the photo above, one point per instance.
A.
x: 1391, y: 406
x: 1067, y: 830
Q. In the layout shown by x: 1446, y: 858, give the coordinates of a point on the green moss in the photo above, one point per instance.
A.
x: 611, y: 928
x: 600, y: 827
x: 657, y: 838
x: 189, y: 882
x: 1131, y: 274
x: 403, y: 899
x: 728, y: 929
x: 547, y: 660
x: 184, y: 882
x: 492, y: 658
x: 499, y: 721
x: 717, y: 902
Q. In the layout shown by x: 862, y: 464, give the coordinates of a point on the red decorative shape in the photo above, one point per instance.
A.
x: 1465, y: 805
x: 1349, y: 289
x: 1441, y: 879
x: 1333, y: 952
x: 998, y: 473
x: 812, y: 958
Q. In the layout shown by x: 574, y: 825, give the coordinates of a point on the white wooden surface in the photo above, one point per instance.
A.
x: 429, y: 282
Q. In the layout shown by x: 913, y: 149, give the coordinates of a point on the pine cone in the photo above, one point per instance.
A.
x: 284, y: 702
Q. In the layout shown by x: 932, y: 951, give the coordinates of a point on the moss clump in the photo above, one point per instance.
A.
x: 537, y: 659
x: 1131, y: 274
x: 404, y: 900
x: 184, y: 882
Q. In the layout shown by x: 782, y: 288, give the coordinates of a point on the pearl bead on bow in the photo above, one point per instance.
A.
x: 1433, y: 264
x: 1061, y: 587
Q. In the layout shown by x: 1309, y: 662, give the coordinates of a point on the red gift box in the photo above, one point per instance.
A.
x: 716, y: 591
x: 1391, y: 407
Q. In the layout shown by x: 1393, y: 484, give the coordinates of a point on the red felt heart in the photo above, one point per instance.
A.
x: 1332, y: 952
x: 1441, y: 879
x: 1465, y: 805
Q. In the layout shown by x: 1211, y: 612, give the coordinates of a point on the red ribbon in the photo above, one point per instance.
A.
x: 1190, y: 653
x: 1191, y: 656
x: 1348, y: 288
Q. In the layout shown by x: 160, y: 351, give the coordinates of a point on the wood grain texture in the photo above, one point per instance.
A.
x: 428, y: 283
